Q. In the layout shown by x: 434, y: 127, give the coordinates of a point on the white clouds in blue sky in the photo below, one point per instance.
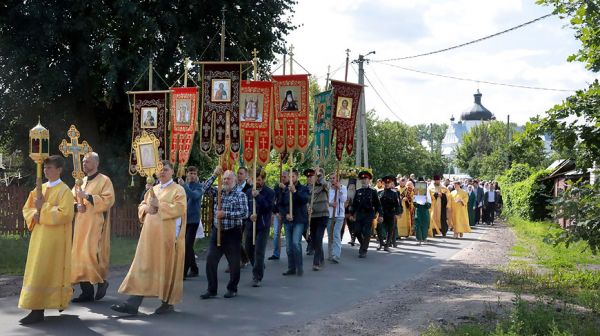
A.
x: 534, y: 55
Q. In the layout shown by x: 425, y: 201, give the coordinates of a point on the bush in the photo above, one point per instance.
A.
x: 524, y: 194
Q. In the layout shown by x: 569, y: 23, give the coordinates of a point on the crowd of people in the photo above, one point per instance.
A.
x: 245, y: 211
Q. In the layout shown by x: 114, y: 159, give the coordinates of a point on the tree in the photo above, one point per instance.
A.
x: 486, y: 152
x: 72, y: 61
x: 433, y: 134
x: 585, y: 20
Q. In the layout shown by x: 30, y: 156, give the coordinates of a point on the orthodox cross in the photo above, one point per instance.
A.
x: 75, y: 149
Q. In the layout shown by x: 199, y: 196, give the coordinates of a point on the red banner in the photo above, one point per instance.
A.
x: 149, y: 114
x: 256, y: 110
x: 291, y: 113
x: 220, y: 106
x: 346, y: 98
x: 184, y: 109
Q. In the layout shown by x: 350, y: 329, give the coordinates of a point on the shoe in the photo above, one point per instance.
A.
x: 208, y: 295
x: 255, y: 283
x: 316, y: 268
x: 299, y: 272
x: 335, y: 260
x: 379, y: 248
x: 83, y: 298
x: 387, y: 249
x: 351, y: 243
x: 362, y: 255
x: 101, y: 292
x: 124, y: 308
x: 289, y: 272
x: 230, y: 294
x: 193, y: 274
x: 310, y: 252
x: 34, y: 317
x: 273, y: 258
x: 164, y: 308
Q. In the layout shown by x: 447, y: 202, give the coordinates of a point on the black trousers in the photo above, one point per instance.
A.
x: 231, y: 248
x: 478, y: 214
x: 190, y: 258
x: 490, y: 211
x: 363, y: 233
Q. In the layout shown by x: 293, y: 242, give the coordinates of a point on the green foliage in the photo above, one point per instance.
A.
x: 580, y: 206
x: 574, y: 126
x: 14, y: 254
x: 485, y: 151
x: 528, y: 198
x: 72, y: 61
x: 394, y: 148
x: 584, y: 19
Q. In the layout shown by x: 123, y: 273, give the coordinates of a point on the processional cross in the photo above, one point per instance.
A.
x: 77, y: 150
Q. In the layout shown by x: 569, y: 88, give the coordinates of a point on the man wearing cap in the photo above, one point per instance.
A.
x: 364, y: 207
x: 390, y: 205
x: 439, y: 207
x: 318, y: 211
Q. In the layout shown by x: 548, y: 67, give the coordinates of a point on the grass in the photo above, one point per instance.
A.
x: 567, y: 290
x: 14, y: 252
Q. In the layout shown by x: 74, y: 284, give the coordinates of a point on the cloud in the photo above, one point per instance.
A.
x: 534, y: 55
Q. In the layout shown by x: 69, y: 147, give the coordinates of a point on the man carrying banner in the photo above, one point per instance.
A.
x: 319, y: 213
x: 46, y: 282
x: 91, y: 238
x: 263, y: 196
x: 364, y: 208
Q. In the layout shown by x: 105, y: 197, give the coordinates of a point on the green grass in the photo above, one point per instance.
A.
x: 14, y: 252
x: 568, y: 291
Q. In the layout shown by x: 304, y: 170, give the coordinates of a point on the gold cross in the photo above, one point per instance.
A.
x: 76, y: 150
x: 254, y: 53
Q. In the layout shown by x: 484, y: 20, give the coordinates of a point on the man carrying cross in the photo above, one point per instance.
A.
x: 91, y: 239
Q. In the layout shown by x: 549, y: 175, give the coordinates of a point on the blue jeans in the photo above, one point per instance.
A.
x: 293, y: 242
x: 334, y: 241
x: 276, y: 237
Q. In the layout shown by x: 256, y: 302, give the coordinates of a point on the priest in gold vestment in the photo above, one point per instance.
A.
x: 440, y: 207
x: 406, y: 198
x: 157, y: 268
x: 46, y: 283
x: 460, y: 214
x: 91, y: 239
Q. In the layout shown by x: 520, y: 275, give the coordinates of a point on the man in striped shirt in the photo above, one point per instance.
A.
x: 234, y: 209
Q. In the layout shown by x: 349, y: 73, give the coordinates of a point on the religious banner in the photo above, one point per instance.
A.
x: 255, y: 118
x: 220, y: 106
x: 149, y: 115
x: 184, y: 108
x: 291, y: 113
x: 322, y: 129
x: 346, y: 98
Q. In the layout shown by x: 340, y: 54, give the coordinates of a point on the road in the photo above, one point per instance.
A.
x: 281, y: 301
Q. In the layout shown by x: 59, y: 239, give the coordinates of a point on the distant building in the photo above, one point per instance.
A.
x: 456, y: 130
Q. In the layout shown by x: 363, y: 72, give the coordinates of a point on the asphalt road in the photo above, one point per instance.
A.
x: 281, y: 301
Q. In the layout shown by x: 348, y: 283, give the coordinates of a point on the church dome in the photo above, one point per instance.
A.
x: 478, y: 111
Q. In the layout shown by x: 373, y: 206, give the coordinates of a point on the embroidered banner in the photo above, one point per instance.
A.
x: 291, y: 113
x: 149, y: 114
x: 346, y: 98
x: 184, y: 109
x: 220, y: 106
x: 322, y: 129
x: 255, y: 118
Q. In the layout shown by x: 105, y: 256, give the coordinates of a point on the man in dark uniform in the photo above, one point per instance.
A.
x: 390, y: 205
x: 364, y: 207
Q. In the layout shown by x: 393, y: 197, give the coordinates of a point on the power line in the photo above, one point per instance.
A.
x: 378, y: 95
x: 477, y: 80
x: 391, y: 96
x: 467, y: 43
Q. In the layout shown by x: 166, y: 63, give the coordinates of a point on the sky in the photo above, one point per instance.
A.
x: 534, y: 55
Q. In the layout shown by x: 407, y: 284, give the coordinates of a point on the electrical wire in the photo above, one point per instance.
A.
x: 467, y: 43
x: 477, y: 80
x: 378, y: 95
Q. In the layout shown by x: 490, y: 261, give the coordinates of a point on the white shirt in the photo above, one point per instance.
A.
x: 491, y: 196
x: 53, y: 183
x: 340, y: 210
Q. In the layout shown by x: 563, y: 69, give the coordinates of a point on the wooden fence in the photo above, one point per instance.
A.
x: 124, y: 217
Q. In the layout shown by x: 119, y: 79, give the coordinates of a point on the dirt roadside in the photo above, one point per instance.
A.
x: 455, y: 291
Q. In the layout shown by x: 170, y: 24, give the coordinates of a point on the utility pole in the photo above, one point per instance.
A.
x: 362, y: 146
